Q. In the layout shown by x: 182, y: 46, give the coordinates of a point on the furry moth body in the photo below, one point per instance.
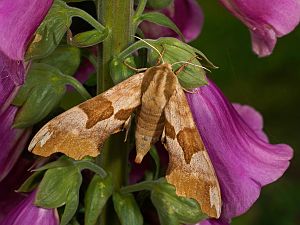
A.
x: 162, y: 112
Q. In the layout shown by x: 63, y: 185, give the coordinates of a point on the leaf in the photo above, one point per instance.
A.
x: 119, y: 71
x: 161, y: 19
x: 158, y: 4
x: 42, y: 91
x: 72, y: 202
x: 173, y: 209
x: 127, y: 209
x: 89, y: 38
x: 32, y: 182
x: 155, y: 157
x: 56, y: 185
x: 50, y: 32
x: 177, y: 54
x: 53, y: 28
x: 65, y: 58
x: 97, y: 194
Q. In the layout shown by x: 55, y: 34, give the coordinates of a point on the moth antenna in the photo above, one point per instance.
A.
x: 180, y: 62
x: 151, y: 47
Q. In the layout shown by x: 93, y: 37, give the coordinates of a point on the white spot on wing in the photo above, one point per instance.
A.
x: 214, y: 199
x: 45, y: 138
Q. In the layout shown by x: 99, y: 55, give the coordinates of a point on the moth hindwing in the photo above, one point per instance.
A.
x: 162, y: 111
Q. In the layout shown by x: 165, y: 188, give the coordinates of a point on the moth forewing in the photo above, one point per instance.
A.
x: 158, y: 85
x: 81, y: 130
x: 190, y: 169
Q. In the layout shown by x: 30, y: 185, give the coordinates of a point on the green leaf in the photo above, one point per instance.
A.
x: 50, y: 32
x: 89, y: 38
x: 119, y: 71
x: 158, y: 4
x: 127, y: 209
x: 63, y: 161
x: 65, y: 58
x: 56, y: 185
x: 72, y: 202
x: 173, y: 209
x: 53, y: 28
x: 97, y: 194
x: 42, y: 91
x: 32, y: 182
x: 177, y: 53
x: 155, y: 157
x: 161, y: 19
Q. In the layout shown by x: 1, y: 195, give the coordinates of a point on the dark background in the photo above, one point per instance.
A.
x: 270, y: 85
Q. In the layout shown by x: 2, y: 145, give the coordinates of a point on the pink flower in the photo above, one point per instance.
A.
x: 243, y: 158
x: 266, y: 20
x: 26, y: 213
x: 186, y: 14
x: 18, y: 21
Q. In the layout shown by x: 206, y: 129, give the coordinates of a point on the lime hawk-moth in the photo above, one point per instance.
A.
x: 162, y: 113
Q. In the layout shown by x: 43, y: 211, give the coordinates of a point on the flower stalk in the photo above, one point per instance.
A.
x: 116, y: 15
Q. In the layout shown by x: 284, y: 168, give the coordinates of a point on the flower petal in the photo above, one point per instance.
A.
x: 27, y: 213
x: 12, y: 141
x: 186, y: 14
x: 253, y: 119
x: 266, y: 20
x: 243, y: 161
x: 18, y: 21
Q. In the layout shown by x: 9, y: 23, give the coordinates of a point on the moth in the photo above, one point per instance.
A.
x: 162, y: 113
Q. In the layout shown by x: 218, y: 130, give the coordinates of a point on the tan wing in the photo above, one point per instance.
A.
x: 81, y: 131
x: 190, y: 169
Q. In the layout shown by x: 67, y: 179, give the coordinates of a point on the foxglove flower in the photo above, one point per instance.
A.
x: 266, y: 20
x: 26, y: 213
x: 186, y: 14
x: 243, y: 158
x: 18, y: 21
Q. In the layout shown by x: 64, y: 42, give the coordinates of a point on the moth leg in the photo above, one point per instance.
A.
x: 158, y: 62
x: 135, y: 69
x: 184, y: 65
x: 188, y: 91
x: 127, y: 126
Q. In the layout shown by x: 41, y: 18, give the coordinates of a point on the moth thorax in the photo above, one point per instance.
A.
x: 158, y: 86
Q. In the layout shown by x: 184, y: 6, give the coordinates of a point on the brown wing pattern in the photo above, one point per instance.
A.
x: 190, y: 169
x: 82, y: 130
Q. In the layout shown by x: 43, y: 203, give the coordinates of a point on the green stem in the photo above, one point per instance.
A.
x: 116, y: 15
x: 78, y: 87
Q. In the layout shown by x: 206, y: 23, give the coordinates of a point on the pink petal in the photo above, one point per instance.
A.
x: 266, y: 20
x: 253, y: 119
x: 18, y: 21
x: 26, y: 213
x: 186, y: 14
x: 244, y: 162
x: 12, y: 141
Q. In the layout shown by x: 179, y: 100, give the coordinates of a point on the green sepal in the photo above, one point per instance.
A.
x: 173, y: 209
x: 174, y: 51
x: 42, y: 91
x: 160, y: 19
x: 51, y: 31
x: 60, y: 186
x: 127, y: 209
x: 154, y: 154
x: 89, y: 38
x: 31, y: 182
x: 65, y: 58
x: 119, y: 71
x: 97, y: 194
x: 158, y: 4
x: 44, y: 87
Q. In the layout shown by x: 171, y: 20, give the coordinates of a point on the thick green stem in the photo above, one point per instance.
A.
x: 116, y: 15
